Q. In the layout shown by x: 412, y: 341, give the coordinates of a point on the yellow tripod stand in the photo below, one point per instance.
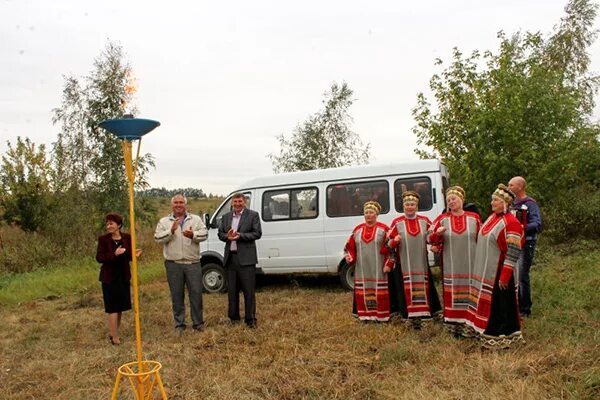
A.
x: 143, y: 375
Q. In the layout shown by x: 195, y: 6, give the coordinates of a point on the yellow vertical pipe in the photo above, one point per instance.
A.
x: 127, y: 154
x: 115, y: 391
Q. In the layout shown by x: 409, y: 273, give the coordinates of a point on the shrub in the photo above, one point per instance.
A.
x: 25, y: 251
x: 573, y: 215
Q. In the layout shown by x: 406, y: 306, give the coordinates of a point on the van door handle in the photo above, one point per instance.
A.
x: 273, y: 253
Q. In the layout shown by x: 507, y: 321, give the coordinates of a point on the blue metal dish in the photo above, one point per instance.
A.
x: 129, y: 128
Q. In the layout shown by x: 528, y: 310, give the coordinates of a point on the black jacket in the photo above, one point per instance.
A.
x: 249, y: 230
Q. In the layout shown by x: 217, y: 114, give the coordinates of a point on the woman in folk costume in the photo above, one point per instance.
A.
x: 455, y: 237
x: 414, y: 294
x: 366, y: 248
x: 493, y: 310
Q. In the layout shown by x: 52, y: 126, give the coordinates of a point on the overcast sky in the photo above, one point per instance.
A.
x: 225, y: 78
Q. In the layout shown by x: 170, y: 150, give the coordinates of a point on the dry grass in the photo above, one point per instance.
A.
x: 306, y: 346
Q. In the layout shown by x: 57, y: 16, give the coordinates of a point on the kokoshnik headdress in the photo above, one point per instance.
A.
x: 504, y: 193
x: 372, y: 205
x: 457, y: 191
x: 410, y: 195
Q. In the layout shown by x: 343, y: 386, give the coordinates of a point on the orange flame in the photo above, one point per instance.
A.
x: 131, y: 85
x: 131, y: 88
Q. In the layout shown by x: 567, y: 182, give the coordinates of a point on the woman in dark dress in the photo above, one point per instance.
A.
x: 114, y: 252
x: 494, y: 311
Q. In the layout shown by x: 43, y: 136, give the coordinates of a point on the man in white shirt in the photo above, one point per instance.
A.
x: 180, y: 234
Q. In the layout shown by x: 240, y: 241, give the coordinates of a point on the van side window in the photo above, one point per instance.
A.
x: 290, y: 204
x: 347, y: 199
x: 421, y: 185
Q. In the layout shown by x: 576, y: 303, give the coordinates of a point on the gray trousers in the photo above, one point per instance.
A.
x: 189, y: 275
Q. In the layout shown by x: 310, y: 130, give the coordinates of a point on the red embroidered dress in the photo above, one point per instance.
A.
x: 491, y: 310
x: 458, y: 244
x: 411, y: 254
x: 367, y: 248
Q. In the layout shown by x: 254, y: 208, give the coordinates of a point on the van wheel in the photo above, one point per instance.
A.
x: 347, y: 276
x: 213, y: 278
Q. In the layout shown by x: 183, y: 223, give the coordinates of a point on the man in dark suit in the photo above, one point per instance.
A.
x: 239, y: 229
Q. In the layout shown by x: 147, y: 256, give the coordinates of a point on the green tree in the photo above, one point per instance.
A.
x: 324, y: 140
x: 88, y: 160
x: 25, y: 185
x: 524, y: 110
x: 74, y: 146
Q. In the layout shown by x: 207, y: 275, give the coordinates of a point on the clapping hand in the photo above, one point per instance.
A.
x: 120, y: 250
x: 175, y: 224
x: 189, y: 233
x: 440, y: 231
x: 232, y: 234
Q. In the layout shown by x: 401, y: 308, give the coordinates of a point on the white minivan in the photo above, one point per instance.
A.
x: 308, y: 216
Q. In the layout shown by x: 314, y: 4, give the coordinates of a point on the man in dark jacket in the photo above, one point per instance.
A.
x: 528, y: 213
x: 239, y: 229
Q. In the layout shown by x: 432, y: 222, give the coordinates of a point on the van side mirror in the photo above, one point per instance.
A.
x: 207, y: 220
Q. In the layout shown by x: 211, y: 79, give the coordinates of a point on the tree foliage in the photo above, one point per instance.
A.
x: 86, y: 157
x: 63, y: 200
x: 324, y: 140
x: 523, y: 110
x: 163, y: 192
x: 25, y: 184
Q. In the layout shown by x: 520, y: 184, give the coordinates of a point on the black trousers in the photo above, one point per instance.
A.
x: 241, y: 278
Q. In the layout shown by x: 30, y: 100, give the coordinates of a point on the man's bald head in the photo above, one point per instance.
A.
x: 517, y: 185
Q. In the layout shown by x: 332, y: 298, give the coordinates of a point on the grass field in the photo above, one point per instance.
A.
x: 306, y: 346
